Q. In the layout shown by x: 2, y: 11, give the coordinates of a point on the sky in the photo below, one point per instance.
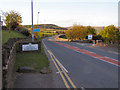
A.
x: 65, y: 13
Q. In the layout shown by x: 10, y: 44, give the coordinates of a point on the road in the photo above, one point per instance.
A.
x: 82, y: 66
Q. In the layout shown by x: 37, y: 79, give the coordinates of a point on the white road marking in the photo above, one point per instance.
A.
x: 111, y: 58
x: 58, y: 62
x: 60, y: 71
x: 82, y: 88
x: 56, y: 58
x: 63, y: 66
x: 44, y: 45
x: 99, y: 59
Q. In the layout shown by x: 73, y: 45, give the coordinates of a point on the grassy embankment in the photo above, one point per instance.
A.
x: 30, y: 59
x: 35, y: 60
x: 6, y: 35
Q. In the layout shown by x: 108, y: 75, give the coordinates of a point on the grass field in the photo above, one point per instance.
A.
x: 32, y: 59
x: 35, y: 60
x: 6, y: 35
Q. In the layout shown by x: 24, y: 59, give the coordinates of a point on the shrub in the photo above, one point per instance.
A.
x: 22, y: 30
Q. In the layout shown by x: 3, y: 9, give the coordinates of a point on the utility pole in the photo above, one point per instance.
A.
x: 32, y: 19
x: 0, y: 54
x: 38, y: 19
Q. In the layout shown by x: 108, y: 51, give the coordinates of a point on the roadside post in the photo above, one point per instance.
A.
x: 32, y: 19
x: 93, y: 43
x: 90, y: 37
x: 0, y: 54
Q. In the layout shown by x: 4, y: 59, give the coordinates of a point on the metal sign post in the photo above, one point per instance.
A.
x: 90, y: 36
x: 32, y: 19
x: 0, y: 54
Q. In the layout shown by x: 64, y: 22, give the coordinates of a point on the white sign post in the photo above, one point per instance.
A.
x: 90, y: 36
x: 0, y: 54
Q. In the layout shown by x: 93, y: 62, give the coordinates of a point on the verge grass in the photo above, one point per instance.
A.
x: 6, y: 35
x: 32, y: 59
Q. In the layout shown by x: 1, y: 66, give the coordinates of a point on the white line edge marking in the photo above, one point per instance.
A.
x: 44, y: 44
x: 100, y: 59
x: 58, y: 62
x: 111, y: 58
x: 60, y: 71
x: 56, y: 58
x: 63, y: 66
x: 82, y: 88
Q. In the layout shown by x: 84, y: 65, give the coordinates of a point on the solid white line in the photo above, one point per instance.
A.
x: 58, y: 61
x: 63, y: 66
x: 56, y: 58
x: 111, y: 58
x: 44, y: 45
x: 60, y: 71
x: 89, y: 51
x: 99, y: 59
x: 82, y: 88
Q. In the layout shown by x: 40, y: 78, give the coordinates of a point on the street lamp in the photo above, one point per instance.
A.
x: 38, y: 19
x: 32, y: 18
x: 0, y: 54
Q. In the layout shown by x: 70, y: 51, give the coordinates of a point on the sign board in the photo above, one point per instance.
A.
x: 90, y: 36
x: 36, y: 30
x: 29, y: 47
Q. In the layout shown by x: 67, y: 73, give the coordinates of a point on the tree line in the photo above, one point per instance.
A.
x: 80, y: 32
x: 109, y: 34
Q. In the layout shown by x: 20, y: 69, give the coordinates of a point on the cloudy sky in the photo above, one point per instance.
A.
x: 65, y: 13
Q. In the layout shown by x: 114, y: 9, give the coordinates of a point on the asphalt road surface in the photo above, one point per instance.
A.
x: 82, y: 66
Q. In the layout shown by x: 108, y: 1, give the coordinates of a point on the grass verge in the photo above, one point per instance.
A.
x: 6, y: 35
x: 32, y: 59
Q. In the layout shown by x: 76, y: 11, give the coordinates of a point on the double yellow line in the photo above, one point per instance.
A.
x: 61, y: 74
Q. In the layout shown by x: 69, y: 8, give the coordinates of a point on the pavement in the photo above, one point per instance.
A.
x: 37, y: 80
x: 75, y: 66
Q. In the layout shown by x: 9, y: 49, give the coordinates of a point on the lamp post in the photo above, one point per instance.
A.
x: 38, y: 19
x: 32, y: 18
x: 0, y: 54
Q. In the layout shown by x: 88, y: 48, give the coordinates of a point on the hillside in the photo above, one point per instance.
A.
x: 6, y: 35
x: 46, y: 26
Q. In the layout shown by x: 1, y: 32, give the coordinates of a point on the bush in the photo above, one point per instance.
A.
x: 97, y: 37
x: 4, y: 28
x: 25, y: 32
x: 63, y: 36
x: 22, y: 30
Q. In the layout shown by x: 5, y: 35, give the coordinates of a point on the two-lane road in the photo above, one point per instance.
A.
x: 87, y: 67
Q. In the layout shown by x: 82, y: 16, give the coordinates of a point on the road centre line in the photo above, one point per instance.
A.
x: 94, y: 55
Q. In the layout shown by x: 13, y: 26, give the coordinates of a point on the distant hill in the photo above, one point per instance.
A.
x: 46, y: 26
x: 98, y: 29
